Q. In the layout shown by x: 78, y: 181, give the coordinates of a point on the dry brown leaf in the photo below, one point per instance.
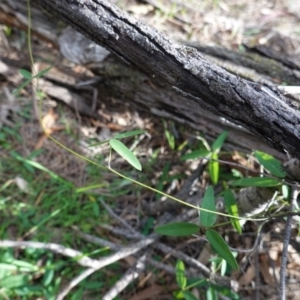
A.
x: 131, y: 260
x: 274, y: 251
x: 294, y: 256
x: 264, y: 269
x: 49, y: 119
x: 248, y: 276
x: 148, y: 293
x: 48, y: 125
x: 205, y: 254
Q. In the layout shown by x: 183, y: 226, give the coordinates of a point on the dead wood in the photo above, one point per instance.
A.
x: 259, y: 108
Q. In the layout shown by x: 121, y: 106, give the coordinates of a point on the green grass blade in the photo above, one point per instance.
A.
x: 195, y: 154
x: 43, y: 72
x: 218, y: 143
x: 255, y: 181
x: 21, y: 87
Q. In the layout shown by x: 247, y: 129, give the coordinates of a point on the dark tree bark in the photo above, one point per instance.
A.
x: 261, y: 109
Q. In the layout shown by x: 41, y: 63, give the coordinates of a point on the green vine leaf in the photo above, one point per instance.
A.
x: 178, y: 229
x: 220, y: 246
x: 232, y: 210
x: 121, y: 149
x: 270, y: 163
x: 208, y: 219
x: 25, y: 74
x: 180, y: 274
x: 218, y: 143
x: 214, y: 168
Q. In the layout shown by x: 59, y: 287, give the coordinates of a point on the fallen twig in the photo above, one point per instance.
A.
x: 286, y: 241
x: 126, y: 279
x: 122, y: 253
x: 78, y: 256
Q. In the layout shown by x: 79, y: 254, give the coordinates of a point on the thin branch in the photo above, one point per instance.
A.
x: 286, y: 241
x: 257, y: 278
x: 168, y: 250
x: 122, y: 253
x: 83, y: 260
x: 224, y: 281
x: 114, y: 215
x: 126, y: 279
x: 96, y: 240
x: 101, y: 242
x: 79, y: 257
x: 75, y: 282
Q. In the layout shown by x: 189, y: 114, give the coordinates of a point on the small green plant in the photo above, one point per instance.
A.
x: 207, y: 218
x: 211, y: 153
x: 170, y: 137
x: 208, y: 215
x: 15, y: 284
x: 204, y: 285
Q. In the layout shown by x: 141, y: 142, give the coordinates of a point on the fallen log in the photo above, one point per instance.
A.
x: 186, y: 86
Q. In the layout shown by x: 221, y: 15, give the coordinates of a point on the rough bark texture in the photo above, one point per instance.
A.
x: 198, y: 83
x: 260, y: 109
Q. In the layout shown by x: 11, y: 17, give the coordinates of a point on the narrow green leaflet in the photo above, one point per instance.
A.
x: 255, y: 181
x: 128, y: 134
x: 170, y: 138
x: 121, y: 149
x: 180, y: 275
x: 211, y: 294
x: 189, y: 296
x: 178, y: 229
x: 48, y: 277
x: 208, y: 219
x: 26, y: 74
x: 120, y: 136
x: 285, y: 189
x: 270, y: 163
x: 214, y: 168
x: 163, y: 178
x: 36, y: 165
x: 43, y: 72
x: 218, y: 143
x: 220, y: 246
x: 98, y: 144
x: 232, y: 210
x: 195, y: 154
x: 223, y: 267
x: 21, y: 87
